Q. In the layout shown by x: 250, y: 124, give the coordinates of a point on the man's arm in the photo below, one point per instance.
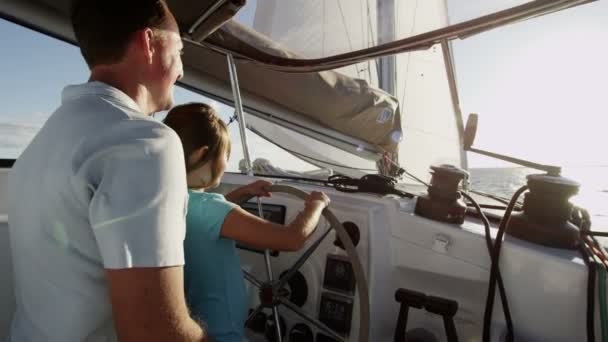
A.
x: 137, y: 213
x: 148, y: 304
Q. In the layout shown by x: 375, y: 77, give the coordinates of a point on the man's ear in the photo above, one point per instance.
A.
x: 197, y: 155
x: 145, y: 42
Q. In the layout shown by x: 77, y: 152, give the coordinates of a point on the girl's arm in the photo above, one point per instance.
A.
x: 246, y: 192
x: 241, y: 226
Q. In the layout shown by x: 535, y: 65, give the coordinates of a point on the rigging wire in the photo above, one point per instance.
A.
x: 371, y: 33
x: 350, y: 43
x: 366, y: 40
x: 403, y: 170
x: 480, y: 193
x: 496, y: 198
x: 414, y: 177
x: 409, y: 54
x: 363, y: 37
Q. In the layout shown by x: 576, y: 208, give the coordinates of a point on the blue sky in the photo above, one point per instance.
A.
x: 540, y: 87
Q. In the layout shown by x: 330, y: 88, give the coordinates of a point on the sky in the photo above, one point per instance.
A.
x: 539, y: 87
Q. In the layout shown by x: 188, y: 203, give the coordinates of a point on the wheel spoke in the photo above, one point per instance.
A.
x: 252, y: 279
x: 310, y: 320
x: 268, y: 266
x: 358, y: 270
x: 253, y: 314
x: 296, y: 266
x: 266, y: 251
x: 277, y: 323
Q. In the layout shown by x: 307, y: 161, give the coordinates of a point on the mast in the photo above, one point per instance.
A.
x: 448, y: 58
x: 385, y: 18
x: 387, y: 66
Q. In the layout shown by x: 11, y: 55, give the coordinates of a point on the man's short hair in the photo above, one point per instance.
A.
x: 104, y: 28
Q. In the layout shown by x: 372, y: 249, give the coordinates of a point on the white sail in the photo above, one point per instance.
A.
x: 319, y: 28
x: 422, y: 88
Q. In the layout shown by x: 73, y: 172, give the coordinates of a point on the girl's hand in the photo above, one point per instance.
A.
x: 259, y: 188
x: 317, y: 198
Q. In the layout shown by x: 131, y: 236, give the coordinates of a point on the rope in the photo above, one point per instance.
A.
x: 595, y: 253
x: 590, y: 292
x: 501, y: 287
x: 487, y: 318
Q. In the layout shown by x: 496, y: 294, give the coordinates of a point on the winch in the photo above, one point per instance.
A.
x: 546, y: 213
x: 444, y: 201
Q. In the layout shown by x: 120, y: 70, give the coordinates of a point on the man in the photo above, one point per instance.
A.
x: 97, y: 200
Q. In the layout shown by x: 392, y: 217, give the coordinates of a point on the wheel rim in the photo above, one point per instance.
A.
x: 275, y: 286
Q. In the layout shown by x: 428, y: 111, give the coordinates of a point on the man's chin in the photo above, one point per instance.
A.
x: 167, y: 104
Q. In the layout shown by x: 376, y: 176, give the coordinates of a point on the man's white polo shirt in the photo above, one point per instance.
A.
x: 101, y: 186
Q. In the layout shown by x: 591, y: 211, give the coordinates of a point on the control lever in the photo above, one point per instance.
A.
x: 407, y: 298
x: 446, y: 308
x: 469, y: 137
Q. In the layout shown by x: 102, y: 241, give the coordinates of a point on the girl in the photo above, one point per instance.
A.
x: 213, y: 280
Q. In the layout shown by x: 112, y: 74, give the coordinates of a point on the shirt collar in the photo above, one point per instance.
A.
x: 100, y: 89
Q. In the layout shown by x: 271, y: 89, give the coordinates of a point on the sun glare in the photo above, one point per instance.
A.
x: 541, y: 94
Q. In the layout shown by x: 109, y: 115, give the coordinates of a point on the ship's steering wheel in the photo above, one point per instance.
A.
x: 272, y: 293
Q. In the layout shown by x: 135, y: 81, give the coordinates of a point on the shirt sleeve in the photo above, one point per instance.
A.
x: 139, y: 197
x: 207, y: 213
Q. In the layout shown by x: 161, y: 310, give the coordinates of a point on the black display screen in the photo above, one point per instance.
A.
x: 339, y: 275
x: 272, y: 212
x: 336, y: 312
